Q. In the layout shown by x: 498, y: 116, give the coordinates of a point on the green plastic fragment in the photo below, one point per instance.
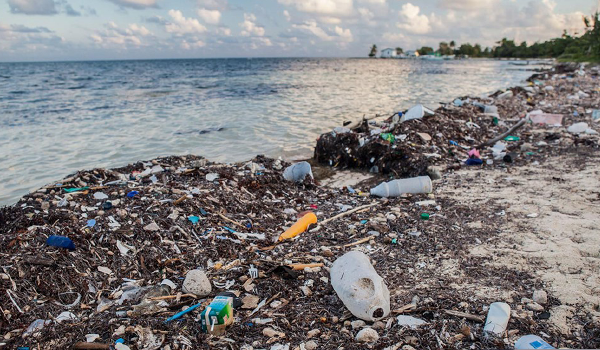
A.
x: 512, y: 138
x: 388, y: 137
x: 76, y: 189
x: 424, y: 216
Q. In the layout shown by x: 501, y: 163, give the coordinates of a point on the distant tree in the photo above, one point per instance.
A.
x: 452, y: 45
x: 373, y: 52
x: 425, y: 50
x: 399, y: 51
x: 444, y: 49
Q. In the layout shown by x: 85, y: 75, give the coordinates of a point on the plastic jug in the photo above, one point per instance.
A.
x: 497, y: 319
x: 395, y: 188
x: 359, y: 286
x: 532, y: 342
x: 297, y: 172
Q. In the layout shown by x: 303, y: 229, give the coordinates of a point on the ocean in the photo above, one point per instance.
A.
x: 60, y: 117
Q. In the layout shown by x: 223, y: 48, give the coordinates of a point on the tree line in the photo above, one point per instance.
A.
x: 585, y: 47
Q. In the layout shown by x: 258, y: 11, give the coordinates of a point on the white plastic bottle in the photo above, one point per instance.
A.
x: 531, y: 341
x: 395, y: 188
x: 297, y: 172
x: 359, y: 286
x: 497, y: 319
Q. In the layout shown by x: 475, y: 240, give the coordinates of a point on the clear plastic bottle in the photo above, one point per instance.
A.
x: 531, y: 341
x: 497, y: 319
x: 359, y: 286
x: 297, y: 172
x: 395, y: 188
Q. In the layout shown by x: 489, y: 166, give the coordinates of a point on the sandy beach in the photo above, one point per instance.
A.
x: 500, y: 231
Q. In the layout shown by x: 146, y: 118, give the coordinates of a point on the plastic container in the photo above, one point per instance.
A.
x: 217, y: 315
x: 359, y: 286
x: 416, y: 112
x: 532, y: 342
x: 61, y: 242
x: 497, y: 319
x: 300, y: 226
x: 297, y: 172
x: 419, y: 184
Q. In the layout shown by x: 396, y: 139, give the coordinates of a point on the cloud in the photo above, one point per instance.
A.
x: 411, y: 21
x: 113, y: 36
x: 467, y: 5
x: 19, y: 28
x: 192, y: 44
x: 220, y: 5
x: 135, y: 4
x: 181, y: 25
x: 209, y: 16
x: 70, y: 11
x: 222, y: 30
x: 33, y: 7
x: 249, y: 26
x: 322, y: 7
x: 342, y: 35
x: 287, y: 16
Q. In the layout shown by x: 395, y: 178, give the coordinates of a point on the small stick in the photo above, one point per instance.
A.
x: 363, y: 240
x: 166, y: 297
x: 13, y: 301
x: 347, y: 213
x: 298, y: 267
x: 90, y: 346
x: 465, y: 315
x: 503, y: 135
x: 180, y: 199
x: 405, y: 308
x: 232, y: 221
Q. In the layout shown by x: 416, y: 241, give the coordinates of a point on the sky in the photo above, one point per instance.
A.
x: 48, y: 30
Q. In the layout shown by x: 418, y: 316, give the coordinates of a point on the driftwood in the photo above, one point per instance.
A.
x: 469, y: 317
x: 503, y: 135
x: 90, y: 346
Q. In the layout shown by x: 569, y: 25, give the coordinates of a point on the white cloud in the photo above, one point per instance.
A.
x: 411, y: 21
x: 223, y: 31
x: 209, y: 16
x: 32, y: 7
x: 329, y: 20
x: 192, y: 44
x: 343, y: 35
x: 287, y: 16
x: 467, y: 5
x: 249, y: 26
x: 220, y: 5
x: 322, y: 7
x: 181, y: 25
x: 135, y: 4
x: 113, y: 36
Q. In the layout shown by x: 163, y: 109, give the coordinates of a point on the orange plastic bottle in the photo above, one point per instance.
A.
x: 300, y: 226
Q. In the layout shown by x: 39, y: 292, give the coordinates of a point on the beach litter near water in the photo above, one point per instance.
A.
x: 196, y: 254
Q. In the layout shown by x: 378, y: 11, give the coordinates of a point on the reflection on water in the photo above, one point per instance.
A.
x: 59, y: 117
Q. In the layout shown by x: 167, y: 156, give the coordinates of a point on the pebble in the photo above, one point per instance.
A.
x: 306, y: 291
x: 358, y: 324
x: 310, y: 345
x: 152, y: 227
x: 434, y: 172
x: 45, y: 205
x: 367, y: 335
x: 540, y: 297
x: 313, y: 333
x: 535, y: 307
x: 378, y: 325
x: 270, y: 332
x: 196, y: 283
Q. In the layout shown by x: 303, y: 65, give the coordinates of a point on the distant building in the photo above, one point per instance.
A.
x: 412, y: 54
x: 388, y: 53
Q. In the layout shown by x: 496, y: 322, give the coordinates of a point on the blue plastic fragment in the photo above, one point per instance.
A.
x: 203, y: 212
x: 23, y: 348
x: 91, y: 223
x: 453, y: 143
x: 229, y: 229
x: 350, y: 189
x: 132, y: 194
x: 179, y: 314
x: 249, y: 225
x: 364, y: 221
x: 60, y: 242
x: 194, y: 219
x: 474, y: 161
x: 120, y: 340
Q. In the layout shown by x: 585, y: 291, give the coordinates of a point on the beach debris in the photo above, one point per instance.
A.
x: 298, y: 172
x: 300, y: 226
x: 196, y: 282
x: 359, y: 286
x: 395, y: 188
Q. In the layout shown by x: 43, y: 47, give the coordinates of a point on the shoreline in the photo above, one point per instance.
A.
x: 458, y: 260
